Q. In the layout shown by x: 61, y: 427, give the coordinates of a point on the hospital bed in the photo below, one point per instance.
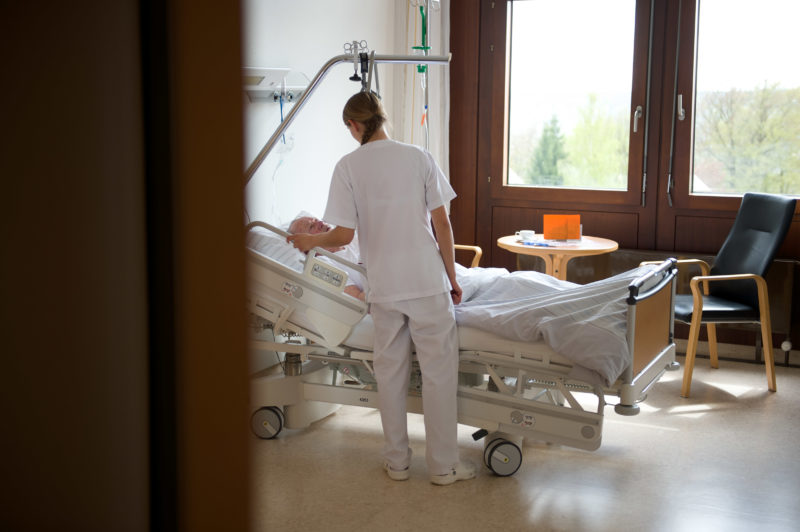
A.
x: 509, y: 390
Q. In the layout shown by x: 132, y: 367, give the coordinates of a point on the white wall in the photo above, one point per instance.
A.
x: 303, y: 35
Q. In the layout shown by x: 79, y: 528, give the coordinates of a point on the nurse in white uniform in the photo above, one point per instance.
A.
x: 392, y: 192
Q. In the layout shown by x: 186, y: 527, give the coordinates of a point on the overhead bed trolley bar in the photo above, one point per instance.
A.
x: 344, y: 58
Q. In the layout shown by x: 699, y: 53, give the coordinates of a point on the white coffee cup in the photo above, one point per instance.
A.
x: 526, y: 235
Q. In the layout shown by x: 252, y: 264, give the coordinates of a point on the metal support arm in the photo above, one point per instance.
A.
x: 344, y: 58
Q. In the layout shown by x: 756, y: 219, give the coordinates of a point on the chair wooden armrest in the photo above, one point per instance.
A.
x: 697, y: 297
x: 705, y: 269
x: 476, y: 259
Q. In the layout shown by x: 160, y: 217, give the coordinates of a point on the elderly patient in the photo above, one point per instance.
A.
x: 350, y: 252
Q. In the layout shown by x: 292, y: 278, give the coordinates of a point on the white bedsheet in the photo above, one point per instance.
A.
x: 585, y: 323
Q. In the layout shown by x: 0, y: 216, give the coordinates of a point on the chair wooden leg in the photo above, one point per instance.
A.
x: 691, y: 353
x: 766, y: 335
x: 766, y: 332
x: 769, y: 356
x: 711, y: 329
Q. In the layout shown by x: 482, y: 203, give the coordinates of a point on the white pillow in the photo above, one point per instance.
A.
x: 275, y: 247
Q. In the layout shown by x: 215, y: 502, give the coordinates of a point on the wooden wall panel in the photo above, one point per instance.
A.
x: 508, y: 220
x: 701, y: 234
x: 705, y: 234
x: 791, y: 245
x: 465, y: 24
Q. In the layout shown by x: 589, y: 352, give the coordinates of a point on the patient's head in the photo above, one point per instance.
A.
x: 308, y: 224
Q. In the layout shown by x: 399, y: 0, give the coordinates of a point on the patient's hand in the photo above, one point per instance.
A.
x: 353, y: 290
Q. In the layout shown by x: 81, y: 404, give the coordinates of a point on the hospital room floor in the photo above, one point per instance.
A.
x: 725, y: 459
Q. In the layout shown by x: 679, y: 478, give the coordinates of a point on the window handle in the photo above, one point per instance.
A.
x: 637, y: 114
x: 681, y: 110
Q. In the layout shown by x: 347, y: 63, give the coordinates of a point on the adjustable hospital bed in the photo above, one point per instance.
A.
x: 508, y: 389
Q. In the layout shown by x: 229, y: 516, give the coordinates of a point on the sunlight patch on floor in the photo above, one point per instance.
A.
x: 692, y: 411
x: 641, y: 425
x: 736, y: 390
x: 648, y: 409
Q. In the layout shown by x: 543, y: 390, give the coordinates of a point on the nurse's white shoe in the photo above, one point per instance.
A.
x: 462, y: 471
x: 396, y: 474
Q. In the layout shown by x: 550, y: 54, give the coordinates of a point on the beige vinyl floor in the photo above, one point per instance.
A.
x: 726, y: 459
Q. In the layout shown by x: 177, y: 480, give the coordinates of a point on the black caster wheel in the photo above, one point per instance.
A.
x: 502, y: 457
x: 267, y: 422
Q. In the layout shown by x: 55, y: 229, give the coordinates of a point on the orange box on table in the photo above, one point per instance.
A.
x: 562, y: 226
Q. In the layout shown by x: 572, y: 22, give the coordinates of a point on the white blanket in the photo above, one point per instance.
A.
x: 584, y: 323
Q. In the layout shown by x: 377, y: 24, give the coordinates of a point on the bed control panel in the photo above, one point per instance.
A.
x: 327, y: 275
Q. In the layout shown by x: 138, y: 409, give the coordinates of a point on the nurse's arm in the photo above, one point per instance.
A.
x: 444, y: 236
x: 336, y: 237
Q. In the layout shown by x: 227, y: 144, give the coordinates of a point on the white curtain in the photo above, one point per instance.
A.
x: 409, y: 102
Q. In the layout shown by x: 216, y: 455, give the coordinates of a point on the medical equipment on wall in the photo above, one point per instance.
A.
x: 363, y: 60
x: 281, y: 86
x: 270, y: 85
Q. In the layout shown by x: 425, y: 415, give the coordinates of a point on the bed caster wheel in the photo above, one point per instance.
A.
x: 267, y: 422
x: 627, y: 410
x: 502, y: 457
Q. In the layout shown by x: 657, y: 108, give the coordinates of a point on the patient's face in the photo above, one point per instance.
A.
x: 309, y: 224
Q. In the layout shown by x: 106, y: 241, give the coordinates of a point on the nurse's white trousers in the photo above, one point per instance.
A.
x: 430, y: 323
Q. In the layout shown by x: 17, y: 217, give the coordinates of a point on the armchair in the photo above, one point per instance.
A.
x: 734, y: 290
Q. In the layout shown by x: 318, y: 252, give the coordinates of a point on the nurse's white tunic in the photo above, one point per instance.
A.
x: 386, y: 190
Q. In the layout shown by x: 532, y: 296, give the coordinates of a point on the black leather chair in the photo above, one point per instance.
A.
x: 734, y: 290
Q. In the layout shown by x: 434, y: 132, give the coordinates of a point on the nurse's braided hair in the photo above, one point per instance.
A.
x: 365, y: 107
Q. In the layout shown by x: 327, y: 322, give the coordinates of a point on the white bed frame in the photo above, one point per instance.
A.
x: 510, y: 392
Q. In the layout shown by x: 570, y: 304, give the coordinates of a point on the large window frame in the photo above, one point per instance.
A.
x: 684, y: 140
x: 499, y: 189
x: 644, y: 216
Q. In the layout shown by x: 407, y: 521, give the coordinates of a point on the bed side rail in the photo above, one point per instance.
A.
x: 667, y: 271
x: 314, y: 252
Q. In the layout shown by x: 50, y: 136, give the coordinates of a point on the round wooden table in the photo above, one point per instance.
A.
x: 556, y: 254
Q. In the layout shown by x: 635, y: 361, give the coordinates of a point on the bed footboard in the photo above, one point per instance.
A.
x: 650, y: 335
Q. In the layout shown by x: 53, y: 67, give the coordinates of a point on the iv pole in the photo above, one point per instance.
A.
x: 422, y: 69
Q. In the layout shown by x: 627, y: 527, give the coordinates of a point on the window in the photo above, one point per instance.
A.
x: 570, y: 68
x: 747, y: 98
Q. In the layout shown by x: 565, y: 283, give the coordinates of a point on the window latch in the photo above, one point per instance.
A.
x: 637, y: 114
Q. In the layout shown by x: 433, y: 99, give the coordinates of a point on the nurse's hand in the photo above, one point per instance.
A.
x: 456, y: 293
x: 302, y: 241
